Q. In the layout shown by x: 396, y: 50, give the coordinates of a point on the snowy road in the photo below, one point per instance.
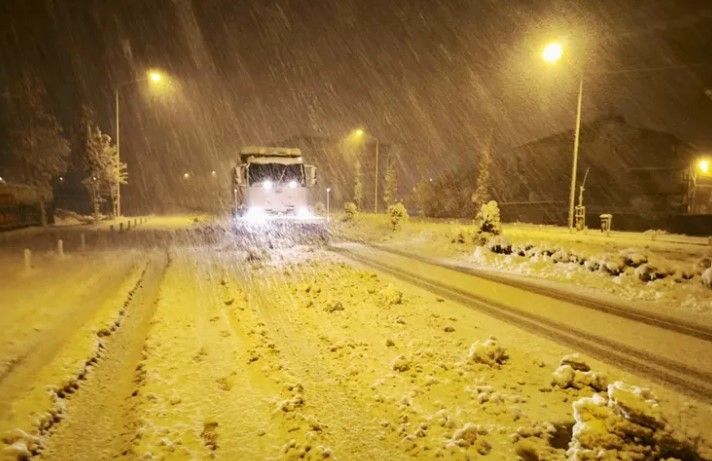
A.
x: 660, y: 348
x: 184, y: 345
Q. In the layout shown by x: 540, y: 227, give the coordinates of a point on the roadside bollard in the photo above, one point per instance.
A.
x: 709, y: 241
x: 60, y: 248
x: 111, y: 228
x: 28, y: 259
x: 128, y: 225
x: 134, y: 222
x: 121, y: 227
x: 83, y: 240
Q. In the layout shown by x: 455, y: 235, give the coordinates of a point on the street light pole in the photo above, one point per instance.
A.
x: 375, y: 187
x: 572, y: 195
x: 154, y: 77
x: 328, y: 191
x: 117, y: 211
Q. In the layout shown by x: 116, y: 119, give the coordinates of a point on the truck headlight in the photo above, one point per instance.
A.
x: 267, y: 184
x: 303, y: 212
x: 293, y: 184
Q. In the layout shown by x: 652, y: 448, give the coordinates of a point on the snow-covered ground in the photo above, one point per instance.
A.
x: 298, y: 353
x: 547, y: 253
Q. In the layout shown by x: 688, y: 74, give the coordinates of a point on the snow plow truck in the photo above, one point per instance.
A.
x: 271, y: 196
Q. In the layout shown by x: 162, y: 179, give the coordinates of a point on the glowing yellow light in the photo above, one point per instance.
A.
x: 704, y: 166
x: 552, y: 52
x: 186, y: 175
x: 155, y: 77
x: 359, y: 132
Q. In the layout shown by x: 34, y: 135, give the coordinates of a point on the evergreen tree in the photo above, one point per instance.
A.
x: 482, y: 193
x: 39, y: 148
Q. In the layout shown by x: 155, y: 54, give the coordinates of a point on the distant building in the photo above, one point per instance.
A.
x: 633, y: 171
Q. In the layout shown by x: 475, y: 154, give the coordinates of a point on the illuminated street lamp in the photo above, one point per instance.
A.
x: 360, y: 133
x: 186, y: 175
x: 703, y: 166
x: 153, y: 77
x: 552, y: 53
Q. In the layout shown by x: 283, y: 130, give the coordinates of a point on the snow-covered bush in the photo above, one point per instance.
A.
x: 499, y: 244
x: 350, y: 211
x: 633, y: 258
x: 398, y: 215
x: 707, y: 277
x: 703, y: 264
x: 319, y: 209
x: 488, y: 219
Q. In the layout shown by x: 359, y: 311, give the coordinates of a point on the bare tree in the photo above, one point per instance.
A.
x: 39, y: 147
x: 103, y: 169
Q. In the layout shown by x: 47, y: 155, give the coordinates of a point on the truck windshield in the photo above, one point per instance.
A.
x: 275, y: 172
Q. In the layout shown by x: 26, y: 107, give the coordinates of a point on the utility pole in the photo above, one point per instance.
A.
x: 117, y: 205
x: 375, y: 187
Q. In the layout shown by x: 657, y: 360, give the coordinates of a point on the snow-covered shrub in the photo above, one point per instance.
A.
x: 320, y: 209
x: 647, y: 273
x: 703, y: 264
x: 499, y: 245
x: 489, y: 352
x: 625, y: 424
x: 488, y: 219
x: 707, y: 277
x: 633, y: 258
x: 350, y: 211
x: 398, y: 214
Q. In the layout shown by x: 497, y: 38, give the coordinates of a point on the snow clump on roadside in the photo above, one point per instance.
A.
x: 470, y: 435
x: 624, y: 424
x: 401, y: 363
x: 391, y: 295
x: 488, y: 352
x: 574, y: 372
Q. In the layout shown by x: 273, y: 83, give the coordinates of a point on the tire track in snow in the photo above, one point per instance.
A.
x: 688, y: 380
x: 350, y: 426
x: 99, y: 422
x: 660, y: 321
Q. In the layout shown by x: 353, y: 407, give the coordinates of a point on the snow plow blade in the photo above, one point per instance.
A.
x: 275, y: 232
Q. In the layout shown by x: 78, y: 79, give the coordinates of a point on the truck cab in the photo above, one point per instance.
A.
x: 272, y: 182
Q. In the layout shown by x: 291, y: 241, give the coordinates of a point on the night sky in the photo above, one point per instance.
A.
x: 432, y: 77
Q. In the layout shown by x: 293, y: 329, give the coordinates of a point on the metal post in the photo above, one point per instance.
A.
x: 118, y: 155
x: 328, y: 192
x: 574, y: 167
x: 28, y: 259
x: 60, y: 248
x: 375, y: 187
x: 83, y: 239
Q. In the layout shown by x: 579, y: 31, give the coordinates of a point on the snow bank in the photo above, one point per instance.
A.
x: 624, y: 424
